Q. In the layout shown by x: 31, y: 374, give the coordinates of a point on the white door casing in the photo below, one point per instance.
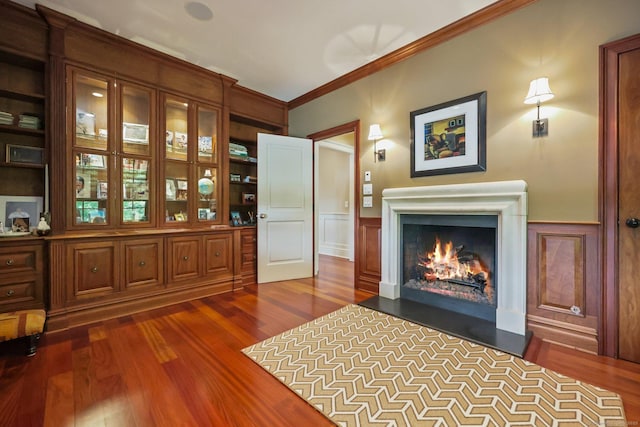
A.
x: 285, y: 208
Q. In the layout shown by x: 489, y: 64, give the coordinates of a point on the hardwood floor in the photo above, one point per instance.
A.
x: 181, y: 365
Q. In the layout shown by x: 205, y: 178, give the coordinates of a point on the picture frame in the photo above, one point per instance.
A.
x: 203, y: 214
x: 248, y: 198
x: 449, y: 137
x: 83, y: 185
x: 205, y: 145
x: 236, y: 219
x: 170, y: 189
x: 235, y: 177
x: 180, y: 217
x: 93, y: 160
x: 135, y: 133
x: 25, y: 155
x: 102, y: 190
x: 85, y: 124
x: 25, y: 207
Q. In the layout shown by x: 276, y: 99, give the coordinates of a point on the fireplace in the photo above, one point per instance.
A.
x: 448, y: 261
x: 443, y: 208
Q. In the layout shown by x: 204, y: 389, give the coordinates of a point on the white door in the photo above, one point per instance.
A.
x: 285, y: 208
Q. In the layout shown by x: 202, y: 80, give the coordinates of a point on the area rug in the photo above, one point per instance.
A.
x: 361, y: 367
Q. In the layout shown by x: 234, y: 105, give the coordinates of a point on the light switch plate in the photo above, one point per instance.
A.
x: 367, y: 189
x: 367, y: 176
x: 367, y: 202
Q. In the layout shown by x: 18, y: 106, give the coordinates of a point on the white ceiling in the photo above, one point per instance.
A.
x: 282, y: 48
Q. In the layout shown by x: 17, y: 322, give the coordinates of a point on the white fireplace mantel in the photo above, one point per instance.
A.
x: 506, y: 199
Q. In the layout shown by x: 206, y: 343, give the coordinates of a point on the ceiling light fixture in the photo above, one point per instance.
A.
x: 199, y: 11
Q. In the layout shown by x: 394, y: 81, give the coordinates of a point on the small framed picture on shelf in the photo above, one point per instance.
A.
x: 25, y: 155
x: 93, y: 160
x: 180, y: 216
x: 135, y: 133
x: 83, y: 186
x: 102, y: 190
x: 182, y: 184
x: 248, y: 198
x: 170, y: 189
x: 236, y: 219
x: 203, y: 214
x: 205, y: 145
x: 85, y: 124
x: 235, y: 177
x: 169, y: 138
x: 180, y: 141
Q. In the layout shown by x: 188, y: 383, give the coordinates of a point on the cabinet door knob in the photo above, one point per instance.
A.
x: 217, y: 253
x: 94, y: 269
x: 9, y: 262
x: 10, y: 292
x: 254, y: 239
x: 142, y: 263
x: 186, y: 258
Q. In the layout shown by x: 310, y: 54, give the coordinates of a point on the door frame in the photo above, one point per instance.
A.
x: 354, y: 127
x: 608, y: 187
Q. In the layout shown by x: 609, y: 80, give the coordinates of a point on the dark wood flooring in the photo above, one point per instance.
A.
x: 181, y: 365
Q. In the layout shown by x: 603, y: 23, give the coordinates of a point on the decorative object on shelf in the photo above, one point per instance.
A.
x: 206, y: 185
x: 83, y: 186
x: 449, y: 137
x: 235, y: 177
x: 248, y: 198
x: 375, y: 133
x: 249, y: 179
x: 93, y: 160
x: 236, y: 219
x: 6, y: 118
x: 169, y: 138
x: 180, y: 216
x: 25, y: 155
x: 29, y: 121
x: 43, y: 228
x: 135, y: 133
x: 24, y: 208
x: 180, y: 141
x: 539, y: 91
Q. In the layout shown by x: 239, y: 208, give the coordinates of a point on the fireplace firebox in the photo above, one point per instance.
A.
x: 448, y: 261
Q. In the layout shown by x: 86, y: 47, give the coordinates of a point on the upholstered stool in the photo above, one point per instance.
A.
x: 23, y: 323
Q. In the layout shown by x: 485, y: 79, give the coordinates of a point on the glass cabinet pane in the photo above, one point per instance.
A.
x: 91, y: 115
x: 135, y: 190
x: 91, y: 188
x: 176, y: 119
x: 207, y: 131
x: 176, y: 189
x: 136, y: 114
x: 207, y: 194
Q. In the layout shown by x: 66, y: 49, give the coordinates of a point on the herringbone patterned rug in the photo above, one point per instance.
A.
x: 360, y: 367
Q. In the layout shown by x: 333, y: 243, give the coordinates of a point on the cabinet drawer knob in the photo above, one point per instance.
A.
x: 186, y: 258
x: 10, y: 262
x: 10, y: 292
x: 254, y: 239
x: 142, y: 263
x: 94, y: 269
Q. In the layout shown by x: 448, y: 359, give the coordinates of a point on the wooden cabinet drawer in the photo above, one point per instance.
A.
x: 18, y: 260
x: 17, y: 292
x: 93, y: 269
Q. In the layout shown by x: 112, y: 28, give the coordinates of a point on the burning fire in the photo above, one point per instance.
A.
x: 449, y: 263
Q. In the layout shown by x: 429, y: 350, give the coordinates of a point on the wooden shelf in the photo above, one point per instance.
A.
x: 21, y: 131
x: 22, y: 96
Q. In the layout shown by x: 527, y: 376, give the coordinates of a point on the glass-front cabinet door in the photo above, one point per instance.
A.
x: 191, y: 162
x: 113, y: 152
x: 90, y: 145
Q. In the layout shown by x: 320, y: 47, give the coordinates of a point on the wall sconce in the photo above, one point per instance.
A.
x: 539, y: 91
x: 375, y: 133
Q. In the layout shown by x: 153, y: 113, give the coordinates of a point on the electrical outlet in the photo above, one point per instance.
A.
x: 367, y: 202
x: 367, y: 189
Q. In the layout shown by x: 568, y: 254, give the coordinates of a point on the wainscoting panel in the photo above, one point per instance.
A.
x: 333, y: 230
x: 369, y: 250
x: 563, y: 301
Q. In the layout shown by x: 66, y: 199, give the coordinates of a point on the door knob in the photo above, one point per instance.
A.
x: 263, y: 216
x: 633, y: 222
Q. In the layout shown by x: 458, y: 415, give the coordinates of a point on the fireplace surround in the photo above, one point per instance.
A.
x: 505, y: 199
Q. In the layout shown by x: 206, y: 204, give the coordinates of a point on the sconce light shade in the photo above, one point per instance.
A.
x: 539, y: 91
x: 375, y: 133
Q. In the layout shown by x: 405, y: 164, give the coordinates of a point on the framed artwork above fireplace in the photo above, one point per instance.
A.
x: 449, y: 137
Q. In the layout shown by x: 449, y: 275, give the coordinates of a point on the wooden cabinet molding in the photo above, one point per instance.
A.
x: 368, y: 258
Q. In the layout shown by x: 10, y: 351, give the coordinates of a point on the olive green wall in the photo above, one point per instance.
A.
x: 554, y: 38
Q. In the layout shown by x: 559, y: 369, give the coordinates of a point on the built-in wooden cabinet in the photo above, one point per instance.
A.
x: 143, y: 263
x: 248, y: 253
